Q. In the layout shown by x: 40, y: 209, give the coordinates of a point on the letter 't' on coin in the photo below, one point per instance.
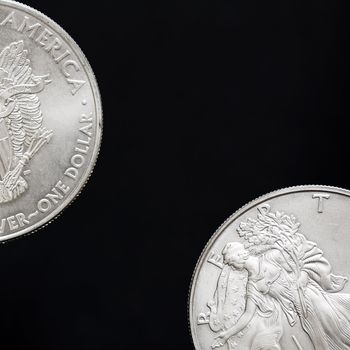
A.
x: 275, y: 275
x: 50, y: 119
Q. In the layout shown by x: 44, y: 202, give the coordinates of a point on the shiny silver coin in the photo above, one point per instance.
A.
x: 275, y: 275
x: 50, y: 119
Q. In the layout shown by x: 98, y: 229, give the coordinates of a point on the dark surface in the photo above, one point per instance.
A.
x: 207, y: 105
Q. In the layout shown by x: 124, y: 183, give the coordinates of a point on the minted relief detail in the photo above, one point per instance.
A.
x: 276, y: 291
x: 320, y: 197
x: 21, y: 131
x: 53, y: 45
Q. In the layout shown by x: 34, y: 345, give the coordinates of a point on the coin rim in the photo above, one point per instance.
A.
x: 99, y: 124
x: 228, y: 221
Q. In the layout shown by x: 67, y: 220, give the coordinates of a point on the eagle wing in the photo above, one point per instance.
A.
x: 26, y: 117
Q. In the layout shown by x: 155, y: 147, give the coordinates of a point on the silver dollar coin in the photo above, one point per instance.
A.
x: 275, y: 275
x: 50, y: 119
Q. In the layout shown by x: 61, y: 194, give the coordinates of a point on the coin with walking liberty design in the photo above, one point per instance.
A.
x: 275, y: 275
x: 50, y: 119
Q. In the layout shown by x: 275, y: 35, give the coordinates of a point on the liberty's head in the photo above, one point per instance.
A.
x: 235, y: 255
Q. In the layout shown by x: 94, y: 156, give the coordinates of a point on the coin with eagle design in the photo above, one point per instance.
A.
x: 275, y: 275
x: 50, y: 119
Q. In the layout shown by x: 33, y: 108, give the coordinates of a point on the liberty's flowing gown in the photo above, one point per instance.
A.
x: 325, y: 323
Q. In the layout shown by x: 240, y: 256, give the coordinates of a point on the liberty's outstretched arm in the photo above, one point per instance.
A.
x: 243, y: 321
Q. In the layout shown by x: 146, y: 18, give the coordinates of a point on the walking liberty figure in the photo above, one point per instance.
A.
x: 278, y: 284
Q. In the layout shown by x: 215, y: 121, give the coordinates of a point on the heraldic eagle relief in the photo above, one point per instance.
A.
x: 276, y: 291
x: 21, y: 131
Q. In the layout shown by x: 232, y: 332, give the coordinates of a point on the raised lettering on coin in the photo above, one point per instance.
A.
x: 270, y: 279
x: 320, y: 197
x: 50, y: 120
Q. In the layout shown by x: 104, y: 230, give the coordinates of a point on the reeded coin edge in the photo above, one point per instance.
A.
x: 99, y: 124
x: 229, y: 220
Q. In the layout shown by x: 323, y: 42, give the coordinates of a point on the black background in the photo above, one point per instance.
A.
x: 207, y: 105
